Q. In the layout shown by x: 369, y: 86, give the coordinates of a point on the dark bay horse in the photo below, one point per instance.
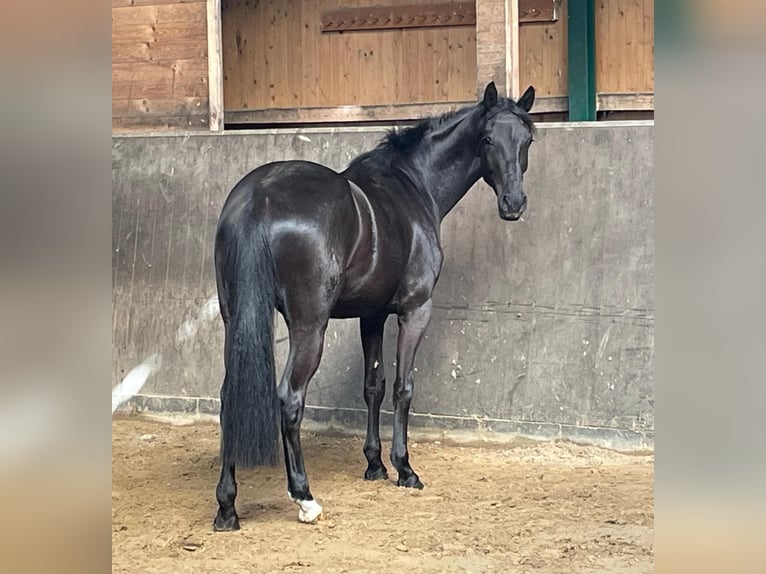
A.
x: 316, y: 244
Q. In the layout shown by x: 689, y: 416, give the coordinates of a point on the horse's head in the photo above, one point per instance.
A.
x: 505, y: 144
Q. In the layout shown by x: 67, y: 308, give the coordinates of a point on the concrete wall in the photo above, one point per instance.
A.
x: 543, y: 327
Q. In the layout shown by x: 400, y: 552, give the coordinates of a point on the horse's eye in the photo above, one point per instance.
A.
x: 487, y: 140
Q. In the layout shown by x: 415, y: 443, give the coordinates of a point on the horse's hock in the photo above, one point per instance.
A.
x: 542, y: 327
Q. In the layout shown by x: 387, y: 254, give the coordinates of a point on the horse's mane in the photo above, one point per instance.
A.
x: 399, y: 142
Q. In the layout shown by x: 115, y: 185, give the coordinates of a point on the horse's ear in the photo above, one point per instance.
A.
x: 490, y: 95
x: 525, y: 102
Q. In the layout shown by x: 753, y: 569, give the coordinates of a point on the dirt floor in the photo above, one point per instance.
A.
x: 526, y: 507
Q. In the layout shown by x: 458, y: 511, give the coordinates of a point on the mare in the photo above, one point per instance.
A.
x: 364, y: 243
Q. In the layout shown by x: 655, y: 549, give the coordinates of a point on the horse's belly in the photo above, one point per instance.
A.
x: 363, y: 301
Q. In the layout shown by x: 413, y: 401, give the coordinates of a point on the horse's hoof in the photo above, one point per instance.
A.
x: 379, y: 473
x: 228, y: 525
x: 412, y: 481
x: 309, y: 511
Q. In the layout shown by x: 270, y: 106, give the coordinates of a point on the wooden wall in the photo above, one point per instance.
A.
x: 159, y: 64
x: 543, y: 55
x: 275, y: 56
x: 625, y: 46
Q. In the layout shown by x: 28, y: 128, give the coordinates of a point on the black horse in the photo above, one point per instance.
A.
x: 316, y: 244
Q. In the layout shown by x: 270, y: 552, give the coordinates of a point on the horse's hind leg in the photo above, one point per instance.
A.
x: 371, y: 329
x: 226, y: 491
x: 302, y: 362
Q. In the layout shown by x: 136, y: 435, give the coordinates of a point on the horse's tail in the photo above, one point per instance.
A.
x: 246, y: 291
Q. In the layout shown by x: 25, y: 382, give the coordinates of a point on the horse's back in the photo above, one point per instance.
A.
x: 283, y: 187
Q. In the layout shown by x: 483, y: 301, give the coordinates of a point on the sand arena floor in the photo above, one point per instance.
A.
x: 523, y: 507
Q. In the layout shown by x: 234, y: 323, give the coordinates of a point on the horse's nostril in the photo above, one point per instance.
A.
x: 506, y: 203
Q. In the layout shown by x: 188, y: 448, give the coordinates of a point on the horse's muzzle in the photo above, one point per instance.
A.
x: 509, y: 212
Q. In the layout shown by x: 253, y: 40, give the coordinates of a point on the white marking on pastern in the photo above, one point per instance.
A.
x: 309, y: 510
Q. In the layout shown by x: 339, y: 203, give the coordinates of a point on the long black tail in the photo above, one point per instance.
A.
x: 245, y: 277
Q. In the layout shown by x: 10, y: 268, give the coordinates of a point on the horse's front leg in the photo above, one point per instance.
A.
x: 302, y: 362
x: 371, y: 329
x: 412, y: 326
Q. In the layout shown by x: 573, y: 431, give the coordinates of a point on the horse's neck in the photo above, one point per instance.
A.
x: 448, y: 174
x: 457, y: 180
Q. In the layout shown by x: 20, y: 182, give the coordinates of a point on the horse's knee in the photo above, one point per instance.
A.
x: 403, y: 391
x: 374, y: 390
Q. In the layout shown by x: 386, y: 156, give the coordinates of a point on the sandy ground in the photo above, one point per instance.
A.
x: 525, y: 507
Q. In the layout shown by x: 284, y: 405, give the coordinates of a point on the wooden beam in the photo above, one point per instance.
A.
x: 383, y: 113
x: 341, y: 114
x: 497, y: 46
x: 512, y: 58
x: 625, y: 102
x: 581, y: 31
x: 426, y: 15
x: 409, y: 112
x: 215, y: 65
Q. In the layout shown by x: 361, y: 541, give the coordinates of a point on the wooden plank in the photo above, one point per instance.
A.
x: 144, y: 80
x: 364, y: 73
x: 311, y: 62
x: 142, y: 2
x: 497, y: 60
x: 293, y: 16
x: 183, y: 78
x: 164, y: 32
x: 214, y: 65
x: 342, y: 114
x: 425, y: 15
x: 231, y: 76
x: 183, y: 113
x: 159, y: 123
x: 512, y: 61
x: 188, y: 49
x: 625, y: 46
x: 156, y: 2
x: 388, y: 45
x: 336, y: 114
x: 625, y: 102
x: 550, y: 104
x: 543, y: 56
x: 411, y: 65
x: 163, y: 13
x: 160, y: 107
x: 426, y: 89
x: 325, y: 88
x: 440, y: 60
x: 276, y: 72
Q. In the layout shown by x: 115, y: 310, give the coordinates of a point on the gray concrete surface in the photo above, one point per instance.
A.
x: 543, y: 327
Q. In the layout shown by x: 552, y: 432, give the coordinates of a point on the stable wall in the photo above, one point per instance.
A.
x: 275, y: 57
x: 543, y: 327
x: 159, y: 64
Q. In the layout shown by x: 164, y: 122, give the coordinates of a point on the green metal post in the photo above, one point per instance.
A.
x: 581, y: 31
